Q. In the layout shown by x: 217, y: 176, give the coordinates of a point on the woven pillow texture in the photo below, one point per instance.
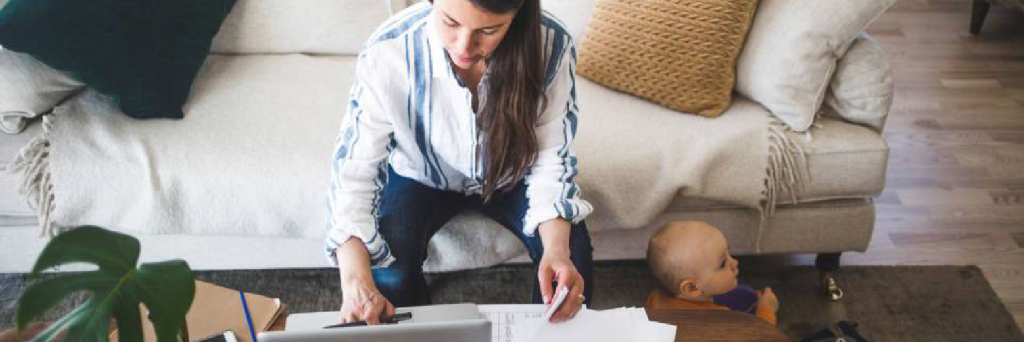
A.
x: 677, y: 53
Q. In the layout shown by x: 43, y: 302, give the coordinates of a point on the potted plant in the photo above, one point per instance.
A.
x: 117, y: 288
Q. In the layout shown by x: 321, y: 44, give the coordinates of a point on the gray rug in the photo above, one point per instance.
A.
x: 900, y: 303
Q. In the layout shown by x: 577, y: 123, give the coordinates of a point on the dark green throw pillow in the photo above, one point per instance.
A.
x: 143, y: 53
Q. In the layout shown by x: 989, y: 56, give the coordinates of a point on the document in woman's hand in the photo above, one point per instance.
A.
x: 522, y: 323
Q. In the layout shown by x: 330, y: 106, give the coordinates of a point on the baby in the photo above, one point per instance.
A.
x: 691, y: 260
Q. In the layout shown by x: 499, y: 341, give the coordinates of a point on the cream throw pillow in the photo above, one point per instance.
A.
x: 791, y: 53
x: 862, y: 89
x: 29, y: 88
x: 680, y: 54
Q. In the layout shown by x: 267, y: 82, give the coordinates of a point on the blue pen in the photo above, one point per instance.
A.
x: 248, y: 319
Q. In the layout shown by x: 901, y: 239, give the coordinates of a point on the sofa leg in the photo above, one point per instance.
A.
x: 828, y: 263
x: 978, y: 12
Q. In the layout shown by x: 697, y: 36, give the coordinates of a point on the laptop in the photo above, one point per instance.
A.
x: 433, y: 323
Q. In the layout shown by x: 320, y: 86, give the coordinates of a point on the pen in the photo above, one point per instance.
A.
x: 386, y: 319
x: 248, y: 319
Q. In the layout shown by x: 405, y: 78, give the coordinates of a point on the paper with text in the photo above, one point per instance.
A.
x: 522, y: 323
x: 507, y: 318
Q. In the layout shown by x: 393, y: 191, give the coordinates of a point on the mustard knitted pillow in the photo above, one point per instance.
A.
x: 677, y: 53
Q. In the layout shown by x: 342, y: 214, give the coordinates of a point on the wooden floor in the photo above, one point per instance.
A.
x: 955, y: 185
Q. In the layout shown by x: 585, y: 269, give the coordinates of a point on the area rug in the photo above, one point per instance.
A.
x: 891, y: 303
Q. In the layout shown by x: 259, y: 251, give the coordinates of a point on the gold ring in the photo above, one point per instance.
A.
x: 583, y: 298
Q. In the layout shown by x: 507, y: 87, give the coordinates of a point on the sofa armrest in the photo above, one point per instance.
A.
x: 861, y: 89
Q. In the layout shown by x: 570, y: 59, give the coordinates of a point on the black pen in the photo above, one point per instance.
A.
x: 386, y: 320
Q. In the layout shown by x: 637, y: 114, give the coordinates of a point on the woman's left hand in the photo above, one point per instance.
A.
x: 556, y: 266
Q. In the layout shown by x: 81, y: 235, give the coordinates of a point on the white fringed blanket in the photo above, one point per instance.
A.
x: 252, y: 158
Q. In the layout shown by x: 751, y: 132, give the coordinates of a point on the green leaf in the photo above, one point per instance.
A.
x: 152, y: 288
x: 117, y: 289
x: 109, y: 250
x: 94, y: 325
x: 58, y: 326
x: 129, y: 322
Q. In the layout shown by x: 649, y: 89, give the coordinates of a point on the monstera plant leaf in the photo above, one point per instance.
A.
x: 117, y: 288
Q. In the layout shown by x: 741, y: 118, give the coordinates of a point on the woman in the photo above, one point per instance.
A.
x: 458, y: 104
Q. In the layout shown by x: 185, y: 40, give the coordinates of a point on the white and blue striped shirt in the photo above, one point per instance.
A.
x: 407, y: 108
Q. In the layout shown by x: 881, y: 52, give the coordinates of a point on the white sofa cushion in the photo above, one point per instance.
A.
x: 300, y: 26
x: 844, y: 160
x: 28, y: 88
x: 791, y: 52
x: 861, y: 91
x: 573, y: 13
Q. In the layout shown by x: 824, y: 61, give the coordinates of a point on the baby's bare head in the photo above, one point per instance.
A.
x: 692, y: 251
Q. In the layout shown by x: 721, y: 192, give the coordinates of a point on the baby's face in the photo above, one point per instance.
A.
x: 716, y: 270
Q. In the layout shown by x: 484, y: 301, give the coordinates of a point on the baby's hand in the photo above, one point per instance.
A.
x: 766, y: 299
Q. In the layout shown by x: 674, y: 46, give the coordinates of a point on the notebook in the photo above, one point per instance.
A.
x: 216, y: 309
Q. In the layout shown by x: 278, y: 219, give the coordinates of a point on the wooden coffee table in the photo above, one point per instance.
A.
x: 718, y: 326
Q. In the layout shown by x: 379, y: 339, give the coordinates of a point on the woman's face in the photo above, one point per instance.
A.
x: 470, y: 34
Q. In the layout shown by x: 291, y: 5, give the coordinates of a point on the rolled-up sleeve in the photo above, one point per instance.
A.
x: 359, y: 169
x: 551, y: 182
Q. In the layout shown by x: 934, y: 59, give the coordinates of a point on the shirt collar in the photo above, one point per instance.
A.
x: 442, y: 67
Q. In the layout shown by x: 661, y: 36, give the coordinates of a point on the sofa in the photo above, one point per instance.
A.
x: 240, y: 182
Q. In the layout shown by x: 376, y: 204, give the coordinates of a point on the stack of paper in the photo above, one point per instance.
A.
x: 523, y: 323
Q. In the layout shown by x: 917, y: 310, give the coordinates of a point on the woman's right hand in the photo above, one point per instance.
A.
x: 361, y: 301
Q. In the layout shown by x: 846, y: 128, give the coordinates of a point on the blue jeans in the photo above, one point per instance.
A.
x: 410, y: 213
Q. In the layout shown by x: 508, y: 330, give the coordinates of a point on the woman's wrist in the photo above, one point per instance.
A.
x: 357, y: 281
x: 354, y: 264
x: 560, y: 253
x: 554, y: 235
x: 354, y: 288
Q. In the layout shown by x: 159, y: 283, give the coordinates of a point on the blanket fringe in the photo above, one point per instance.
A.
x: 787, y: 172
x: 33, y: 162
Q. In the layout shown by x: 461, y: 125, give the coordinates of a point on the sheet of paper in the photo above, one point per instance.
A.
x: 655, y: 331
x: 588, y: 326
x: 652, y: 331
x: 521, y: 323
x: 506, y: 319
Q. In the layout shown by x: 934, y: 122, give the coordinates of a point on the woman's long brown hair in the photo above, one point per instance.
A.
x: 515, y: 97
